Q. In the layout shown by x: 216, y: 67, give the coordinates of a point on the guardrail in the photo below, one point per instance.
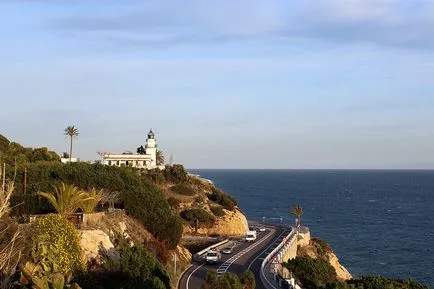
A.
x: 278, y: 252
x: 198, y: 255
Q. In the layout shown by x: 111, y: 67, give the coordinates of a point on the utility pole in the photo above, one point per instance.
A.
x: 4, y: 177
x: 174, y: 260
x: 25, y: 181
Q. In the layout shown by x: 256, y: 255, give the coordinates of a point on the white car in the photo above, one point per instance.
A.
x: 250, y: 236
x: 212, y: 257
x: 262, y: 229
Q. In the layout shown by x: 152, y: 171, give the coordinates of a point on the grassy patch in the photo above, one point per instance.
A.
x: 183, y: 189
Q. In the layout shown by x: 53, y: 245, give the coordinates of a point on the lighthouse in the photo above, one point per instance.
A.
x: 151, y: 148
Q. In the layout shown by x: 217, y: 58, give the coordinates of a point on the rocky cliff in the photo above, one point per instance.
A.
x: 316, y: 248
x: 234, y: 223
x: 218, y: 210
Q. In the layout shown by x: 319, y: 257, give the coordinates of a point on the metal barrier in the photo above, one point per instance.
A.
x: 276, y: 255
x: 198, y: 256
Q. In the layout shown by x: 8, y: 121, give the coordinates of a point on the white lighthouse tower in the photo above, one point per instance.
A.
x: 151, y: 149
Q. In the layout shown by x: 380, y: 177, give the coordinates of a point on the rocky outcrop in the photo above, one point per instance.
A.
x: 316, y: 248
x: 341, y: 271
x: 93, y: 242
x: 234, y: 223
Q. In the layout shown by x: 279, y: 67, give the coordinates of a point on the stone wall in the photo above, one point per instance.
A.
x: 303, y: 239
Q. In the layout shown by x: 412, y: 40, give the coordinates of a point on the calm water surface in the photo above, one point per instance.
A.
x: 376, y: 221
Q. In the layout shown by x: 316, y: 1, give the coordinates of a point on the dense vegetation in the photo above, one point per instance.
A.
x: 319, y: 274
x: 138, y: 195
x: 223, y: 199
x: 136, y: 267
x: 217, y: 211
x: 377, y: 282
x: 174, y: 174
x: 56, y: 231
x: 45, y: 185
x: 202, y: 216
x: 11, y: 152
x: 230, y: 281
x: 55, y: 254
x: 183, y: 189
x: 312, y: 273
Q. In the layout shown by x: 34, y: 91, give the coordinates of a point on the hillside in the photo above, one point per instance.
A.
x: 149, y: 209
x: 318, y: 249
x: 11, y: 152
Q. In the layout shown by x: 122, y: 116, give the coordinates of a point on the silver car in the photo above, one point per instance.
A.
x: 227, y: 250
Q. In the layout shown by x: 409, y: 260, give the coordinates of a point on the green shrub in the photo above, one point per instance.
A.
x: 135, y: 268
x: 139, y: 196
x: 183, y: 189
x: 152, y: 209
x: 313, y: 273
x: 217, y: 211
x: 56, y: 231
x: 322, y: 247
x: 138, y: 263
x: 175, y: 174
x: 378, y: 282
x: 199, y: 199
x: 247, y: 278
x: 204, y: 217
x: 229, y: 281
x: 174, y: 202
x: 221, y: 198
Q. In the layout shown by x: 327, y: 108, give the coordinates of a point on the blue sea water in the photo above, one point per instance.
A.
x: 378, y: 222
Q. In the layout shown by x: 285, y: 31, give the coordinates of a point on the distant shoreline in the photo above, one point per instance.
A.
x: 199, y: 177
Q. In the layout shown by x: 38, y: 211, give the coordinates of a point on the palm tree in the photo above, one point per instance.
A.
x: 94, y: 196
x: 66, y: 199
x: 298, y: 212
x: 72, y: 132
x: 141, y: 150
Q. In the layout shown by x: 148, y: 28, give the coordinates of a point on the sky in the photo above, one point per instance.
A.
x: 312, y: 84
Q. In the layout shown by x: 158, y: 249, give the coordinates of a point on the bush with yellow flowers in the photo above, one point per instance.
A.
x: 61, y: 235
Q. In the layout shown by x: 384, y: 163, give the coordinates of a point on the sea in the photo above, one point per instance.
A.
x: 377, y: 222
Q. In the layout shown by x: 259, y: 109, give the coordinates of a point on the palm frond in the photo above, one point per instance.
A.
x: 93, y: 197
x: 71, y: 131
x: 66, y: 199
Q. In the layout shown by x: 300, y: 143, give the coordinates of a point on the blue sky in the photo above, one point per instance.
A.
x: 224, y: 84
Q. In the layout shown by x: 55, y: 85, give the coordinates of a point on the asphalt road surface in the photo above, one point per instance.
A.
x: 244, y: 256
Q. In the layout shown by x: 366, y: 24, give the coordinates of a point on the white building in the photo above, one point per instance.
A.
x: 66, y: 160
x: 145, y: 161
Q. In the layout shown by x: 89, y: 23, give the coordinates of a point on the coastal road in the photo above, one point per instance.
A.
x: 244, y: 256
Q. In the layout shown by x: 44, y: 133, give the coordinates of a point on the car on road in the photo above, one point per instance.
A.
x: 250, y: 236
x: 227, y: 250
x: 212, y: 257
x: 261, y: 229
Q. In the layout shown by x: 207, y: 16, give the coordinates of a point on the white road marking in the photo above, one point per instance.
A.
x: 225, y: 266
x: 272, y: 244
x: 188, y: 279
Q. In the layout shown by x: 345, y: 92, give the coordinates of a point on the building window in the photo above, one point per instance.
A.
x: 117, y: 163
x: 109, y: 163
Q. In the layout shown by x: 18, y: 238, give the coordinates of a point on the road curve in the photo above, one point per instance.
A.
x: 244, y: 256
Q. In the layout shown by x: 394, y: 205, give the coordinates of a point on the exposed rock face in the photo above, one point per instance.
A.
x: 316, y: 248
x: 92, y: 242
x: 234, y: 223
x: 341, y: 271
x: 183, y: 253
